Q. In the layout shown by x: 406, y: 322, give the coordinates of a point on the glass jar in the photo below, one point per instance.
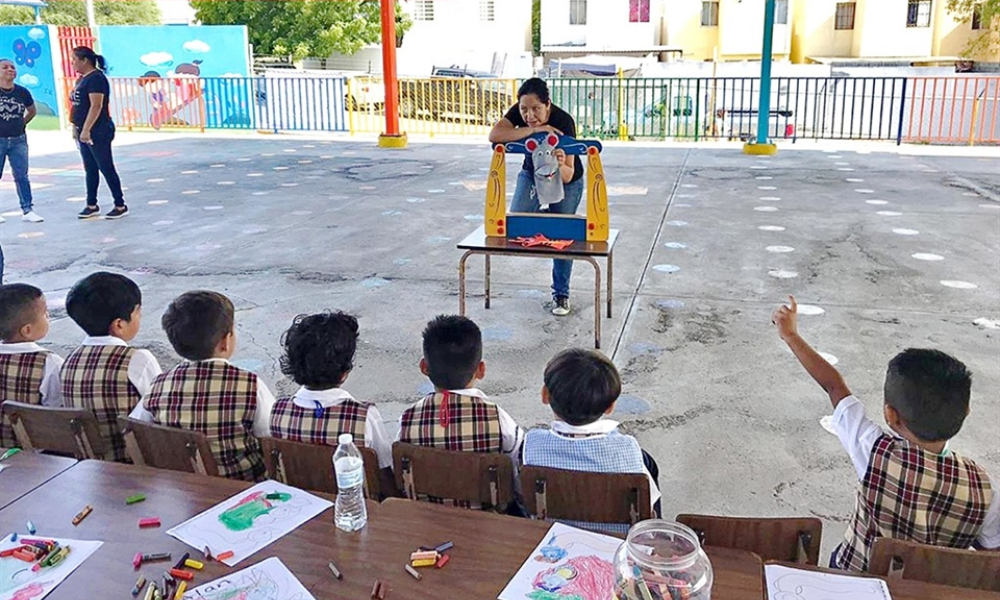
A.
x: 662, y: 559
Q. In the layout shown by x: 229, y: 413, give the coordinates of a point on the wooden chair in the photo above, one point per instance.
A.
x: 68, y: 431
x: 898, y: 559
x: 584, y: 496
x: 780, y: 539
x: 162, y: 447
x: 310, y: 466
x: 476, y: 478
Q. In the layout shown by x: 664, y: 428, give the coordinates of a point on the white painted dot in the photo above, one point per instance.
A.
x: 829, y: 357
x: 876, y: 202
x: 191, y: 192
x: 74, y: 199
x: 990, y: 206
x: 30, y: 234
x: 154, y: 180
x: 189, y: 172
x: 290, y: 150
x: 326, y: 156
x: 162, y: 223
x: 290, y: 184
x: 834, y: 156
x: 842, y: 164
x: 255, y: 174
x: 366, y: 188
x: 854, y: 180
x: 259, y: 193
x: 780, y: 249
x: 678, y: 205
x: 212, y: 207
x: 269, y: 154
x: 684, y: 196
x: 305, y: 162
x: 766, y: 187
x: 759, y: 167
x: 927, y: 256
x: 677, y: 223
x: 242, y: 160
x: 904, y: 231
x: 158, y: 202
x: 770, y: 198
x: 865, y: 191
x: 435, y: 191
x: 308, y: 146
x: 280, y: 168
x: 301, y: 213
x: 689, y: 185
x: 970, y: 194
x: 888, y: 213
x: 810, y: 310
x: 845, y: 169
x: 766, y: 208
x: 217, y: 166
x: 782, y: 274
x: 666, y: 268
x: 771, y: 228
x: 416, y: 200
x: 675, y: 245
x: 225, y: 182
x: 764, y: 177
x: 987, y: 323
x: 958, y: 285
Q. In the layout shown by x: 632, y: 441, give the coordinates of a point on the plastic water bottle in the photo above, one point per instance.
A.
x: 350, y: 512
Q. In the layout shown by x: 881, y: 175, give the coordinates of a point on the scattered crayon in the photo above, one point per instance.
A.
x: 56, y: 557
x: 336, y: 572
x: 194, y: 564
x: 8, y: 552
x: 208, y: 554
x: 225, y: 556
x: 423, y: 555
x: 180, y: 563
x: 137, y: 560
x: 139, y: 584
x: 375, y: 588
x: 181, y: 588
x: 441, y: 562
x: 382, y: 591
x: 82, y: 514
x: 155, y: 556
x: 445, y: 546
x: 149, y: 591
x: 13, y: 537
x: 413, y: 572
x: 135, y: 499
x: 149, y: 522
x: 424, y: 562
x: 168, y: 584
x: 157, y: 594
x: 10, y: 453
x: 182, y: 574
x: 273, y: 496
x: 30, y: 527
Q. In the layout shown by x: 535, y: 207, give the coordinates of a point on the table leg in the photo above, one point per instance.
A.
x: 487, y: 280
x: 610, y: 265
x: 461, y: 282
x: 597, y: 300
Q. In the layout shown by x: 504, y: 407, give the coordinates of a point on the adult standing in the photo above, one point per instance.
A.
x: 94, y: 131
x: 535, y: 113
x: 17, y: 109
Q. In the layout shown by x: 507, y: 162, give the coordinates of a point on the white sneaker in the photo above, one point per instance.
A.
x: 32, y: 217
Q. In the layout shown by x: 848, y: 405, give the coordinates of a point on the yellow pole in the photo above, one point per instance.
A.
x: 972, y: 125
x: 622, y: 133
x: 350, y: 109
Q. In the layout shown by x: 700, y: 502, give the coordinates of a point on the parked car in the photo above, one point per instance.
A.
x: 456, y: 93
x: 364, y: 92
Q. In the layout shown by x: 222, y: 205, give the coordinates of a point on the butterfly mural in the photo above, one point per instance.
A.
x: 26, y: 53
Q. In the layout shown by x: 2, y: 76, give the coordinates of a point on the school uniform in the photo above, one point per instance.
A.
x: 28, y: 373
x: 910, y: 494
x: 232, y: 407
x: 108, y: 377
x: 462, y: 420
x: 319, y: 416
x: 597, y: 447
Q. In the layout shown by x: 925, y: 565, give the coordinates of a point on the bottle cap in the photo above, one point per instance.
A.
x: 345, y: 438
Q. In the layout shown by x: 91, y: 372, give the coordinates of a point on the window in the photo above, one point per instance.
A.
x: 710, y: 13
x: 781, y: 12
x: 423, y: 10
x: 486, y: 10
x: 977, y: 16
x: 845, y: 15
x: 918, y: 13
x: 577, y: 12
x: 638, y: 11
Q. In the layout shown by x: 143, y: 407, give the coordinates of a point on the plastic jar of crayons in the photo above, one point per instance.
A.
x: 662, y: 560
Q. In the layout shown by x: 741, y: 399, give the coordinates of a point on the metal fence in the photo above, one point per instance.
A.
x: 948, y: 110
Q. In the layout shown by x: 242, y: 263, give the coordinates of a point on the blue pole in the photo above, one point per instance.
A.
x: 764, y: 105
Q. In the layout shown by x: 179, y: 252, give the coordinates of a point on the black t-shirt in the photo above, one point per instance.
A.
x: 559, y: 119
x: 13, y: 104
x: 92, y: 83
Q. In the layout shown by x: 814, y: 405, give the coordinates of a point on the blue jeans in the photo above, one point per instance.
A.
x: 16, y: 148
x: 526, y: 200
x: 97, y: 159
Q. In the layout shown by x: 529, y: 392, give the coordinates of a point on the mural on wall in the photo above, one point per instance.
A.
x: 168, y: 65
x: 30, y: 48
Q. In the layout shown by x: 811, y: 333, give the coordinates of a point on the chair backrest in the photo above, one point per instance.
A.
x: 584, y: 496
x: 310, y: 466
x: 486, y: 479
x: 68, y: 431
x: 782, y: 539
x: 165, y: 447
x: 975, y: 569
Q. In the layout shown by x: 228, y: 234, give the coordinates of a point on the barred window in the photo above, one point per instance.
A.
x: 486, y: 9
x: 918, y: 13
x: 710, y: 13
x: 845, y: 15
x: 423, y: 10
x: 577, y: 12
x: 638, y: 11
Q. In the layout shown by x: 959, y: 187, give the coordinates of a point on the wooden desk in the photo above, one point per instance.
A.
x: 26, y: 471
x: 911, y: 590
x: 479, y: 243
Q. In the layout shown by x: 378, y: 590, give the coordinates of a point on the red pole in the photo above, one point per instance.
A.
x: 392, y: 138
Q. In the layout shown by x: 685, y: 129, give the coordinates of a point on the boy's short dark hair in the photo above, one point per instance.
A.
x: 196, y: 322
x: 319, y: 349
x: 99, y: 299
x: 453, y: 349
x: 582, y: 385
x: 16, y: 302
x: 930, y: 390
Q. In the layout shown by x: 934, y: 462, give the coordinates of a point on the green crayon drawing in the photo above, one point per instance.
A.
x: 242, y: 516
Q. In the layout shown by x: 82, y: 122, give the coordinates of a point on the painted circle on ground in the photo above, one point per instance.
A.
x: 255, y: 174
x: 666, y: 268
x: 782, y: 274
x: 990, y: 206
x: 854, y: 180
x: 889, y: 213
x: 675, y: 245
x: 677, y: 223
x: 189, y: 172
x: 810, y: 310
x: 212, y: 207
x: 766, y: 187
x: 876, y: 202
x: 987, y: 323
x: 770, y: 198
x: 770, y: 228
x: 158, y: 202
x: 74, y: 199
x: 290, y: 184
x: 927, y: 256
x: 905, y: 231
x: 864, y: 191
x: 958, y: 285
x: 780, y: 249
x: 27, y: 235
x: 154, y: 180
x: 225, y: 183
x: 191, y: 192
x: 689, y: 185
x: 280, y: 168
x: 216, y: 166
x: 764, y: 177
x: 766, y: 208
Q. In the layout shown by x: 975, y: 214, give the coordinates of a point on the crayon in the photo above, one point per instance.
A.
x: 169, y: 583
x: 274, y: 496
x: 149, y: 591
x: 9, y: 552
x: 155, y: 556
x: 139, y: 584
x: 445, y: 546
x: 135, y: 499
x: 413, y: 572
x: 13, y: 537
x: 424, y: 562
x: 10, y: 453
x: 225, y: 555
x: 181, y: 588
x: 336, y: 572
x: 382, y: 591
x: 30, y: 527
x: 431, y: 554
x: 149, y: 522
x: 442, y: 561
x: 208, y: 554
x: 56, y: 557
x: 194, y: 564
x: 180, y: 563
x: 137, y: 560
x: 375, y: 588
x: 82, y: 514
x: 26, y: 555
x: 182, y: 574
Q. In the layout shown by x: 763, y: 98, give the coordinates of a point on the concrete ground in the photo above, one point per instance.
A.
x: 890, y: 248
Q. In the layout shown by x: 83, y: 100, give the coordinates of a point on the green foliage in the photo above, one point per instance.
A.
x: 988, y: 40
x: 302, y: 28
x: 536, y: 27
x: 74, y: 12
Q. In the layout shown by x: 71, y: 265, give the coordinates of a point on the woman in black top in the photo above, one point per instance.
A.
x: 535, y: 113
x: 94, y: 131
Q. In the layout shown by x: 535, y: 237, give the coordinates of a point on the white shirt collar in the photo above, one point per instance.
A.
x: 599, y: 427
x: 326, y: 398
x: 474, y: 392
x: 103, y: 340
x: 20, y: 348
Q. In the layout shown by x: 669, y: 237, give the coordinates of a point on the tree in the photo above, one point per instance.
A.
x: 74, y: 12
x: 985, y: 40
x: 536, y: 27
x: 302, y: 28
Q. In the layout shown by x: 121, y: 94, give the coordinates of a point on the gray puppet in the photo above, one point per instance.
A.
x: 548, y: 179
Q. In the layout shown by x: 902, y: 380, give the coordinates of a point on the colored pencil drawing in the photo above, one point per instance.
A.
x: 267, y: 580
x: 568, y: 564
x: 19, y: 582
x: 785, y: 583
x: 250, y: 520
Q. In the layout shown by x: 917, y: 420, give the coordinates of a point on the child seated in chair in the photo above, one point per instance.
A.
x: 232, y: 407
x: 912, y: 487
x: 104, y: 374
x: 319, y: 356
x: 581, y: 387
x: 28, y: 372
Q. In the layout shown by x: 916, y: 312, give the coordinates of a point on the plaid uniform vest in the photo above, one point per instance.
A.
x: 911, y: 494
x: 453, y: 422
x: 290, y: 421
x: 218, y: 400
x: 96, y: 378
x: 21, y: 381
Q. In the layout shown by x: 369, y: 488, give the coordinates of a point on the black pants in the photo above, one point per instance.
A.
x: 97, y: 160
x: 654, y: 472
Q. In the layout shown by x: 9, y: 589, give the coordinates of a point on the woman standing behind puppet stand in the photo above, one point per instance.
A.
x: 535, y: 113
x: 94, y: 131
